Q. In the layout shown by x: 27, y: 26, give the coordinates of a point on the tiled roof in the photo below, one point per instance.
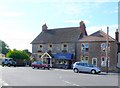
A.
x: 97, y: 36
x: 71, y: 34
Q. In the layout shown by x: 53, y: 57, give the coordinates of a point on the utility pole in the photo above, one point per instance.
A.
x: 107, y: 49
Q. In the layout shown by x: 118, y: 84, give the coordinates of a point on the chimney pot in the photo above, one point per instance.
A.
x: 44, y: 27
x: 117, y: 35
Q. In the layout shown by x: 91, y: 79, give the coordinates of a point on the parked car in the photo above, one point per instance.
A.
x: 8, y: 62
x: 39, y: 64
x: 85, y: 67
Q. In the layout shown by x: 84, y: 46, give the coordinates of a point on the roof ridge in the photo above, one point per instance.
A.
x: 62, y: 28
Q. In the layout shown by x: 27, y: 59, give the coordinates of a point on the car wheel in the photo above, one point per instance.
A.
x: 3, y: 65
x: 33, y: 67
x: 48, y: 68
x: 43, y: 67
x: 93, y: 71
x: 9, y: 65
x: 76, y: 70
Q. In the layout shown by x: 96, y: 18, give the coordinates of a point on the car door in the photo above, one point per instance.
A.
x: 86, y: 67
x: 80, y: 66
x: 39, y: 64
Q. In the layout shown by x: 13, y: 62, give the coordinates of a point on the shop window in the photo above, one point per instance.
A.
x: 84, y: 47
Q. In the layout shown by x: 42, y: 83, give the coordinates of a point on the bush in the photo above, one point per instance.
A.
x: 18, y: 55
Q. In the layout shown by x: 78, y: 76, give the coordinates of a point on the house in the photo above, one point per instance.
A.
x: 58, y: 46
x: 118, y: 50
x: 61, y: 46
x: 93, y: 50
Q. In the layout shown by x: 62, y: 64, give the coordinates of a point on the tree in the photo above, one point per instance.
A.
x: 4, y: 48
x: 27, y: 51
x: 17, y: 55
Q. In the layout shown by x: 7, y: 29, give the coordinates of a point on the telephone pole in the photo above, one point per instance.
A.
x: 107, y: 50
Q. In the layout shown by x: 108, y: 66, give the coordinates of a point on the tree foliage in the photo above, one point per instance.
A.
x: 4, y: 48
x: 18, y: 54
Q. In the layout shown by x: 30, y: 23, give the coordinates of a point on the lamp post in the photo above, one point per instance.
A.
x: 107, y: 50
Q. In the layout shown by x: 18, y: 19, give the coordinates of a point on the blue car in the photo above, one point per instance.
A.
x: 85, y: 67
x: 8, y: 62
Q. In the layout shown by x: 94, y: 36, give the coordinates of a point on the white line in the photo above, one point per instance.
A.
x: 71, y: 83
x: 4, y: 83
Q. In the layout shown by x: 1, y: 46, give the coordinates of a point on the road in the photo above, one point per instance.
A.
x: 26, y: 76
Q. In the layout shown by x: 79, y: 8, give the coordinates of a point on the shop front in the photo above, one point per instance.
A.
x: 61, y: 60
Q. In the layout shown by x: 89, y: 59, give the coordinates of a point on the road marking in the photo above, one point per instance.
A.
x: 68, y: 82
x: 71, y: 83
x: 3, y: 83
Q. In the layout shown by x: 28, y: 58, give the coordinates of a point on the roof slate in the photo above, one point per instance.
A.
x: 97, y: 36
x: 70, y: 34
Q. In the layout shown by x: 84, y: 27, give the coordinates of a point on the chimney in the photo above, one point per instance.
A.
x: 44, y: 27
x: 83, y: 29
x: 117, y: 35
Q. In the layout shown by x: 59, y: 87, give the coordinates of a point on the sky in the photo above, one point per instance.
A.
x: 21, y: 20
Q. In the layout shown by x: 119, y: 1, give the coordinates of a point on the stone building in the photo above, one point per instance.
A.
x: 66, y: 45
x: 58, y: 46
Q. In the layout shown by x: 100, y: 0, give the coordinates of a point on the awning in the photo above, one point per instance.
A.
x: 63, y: 56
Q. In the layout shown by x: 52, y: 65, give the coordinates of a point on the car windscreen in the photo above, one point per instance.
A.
x: 90, y: 65
x: 39, y: 62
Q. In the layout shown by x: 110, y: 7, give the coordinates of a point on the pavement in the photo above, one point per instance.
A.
x: 102, y: 73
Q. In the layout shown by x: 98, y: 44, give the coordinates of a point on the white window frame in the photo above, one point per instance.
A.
x: 40, y: 48
x: 93, y: 60
x: 83, y: 49
x: 83, y: 59
x: 105, y: 47
x: 103, y: 63
x: 50, y: 48
x: 63, y: 46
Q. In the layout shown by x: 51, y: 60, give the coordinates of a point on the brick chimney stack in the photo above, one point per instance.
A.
x: 117, y: 35
x: 44, y: 27
x: 83, y: 29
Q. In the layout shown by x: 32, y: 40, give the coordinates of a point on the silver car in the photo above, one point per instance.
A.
x: 85, y: 67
